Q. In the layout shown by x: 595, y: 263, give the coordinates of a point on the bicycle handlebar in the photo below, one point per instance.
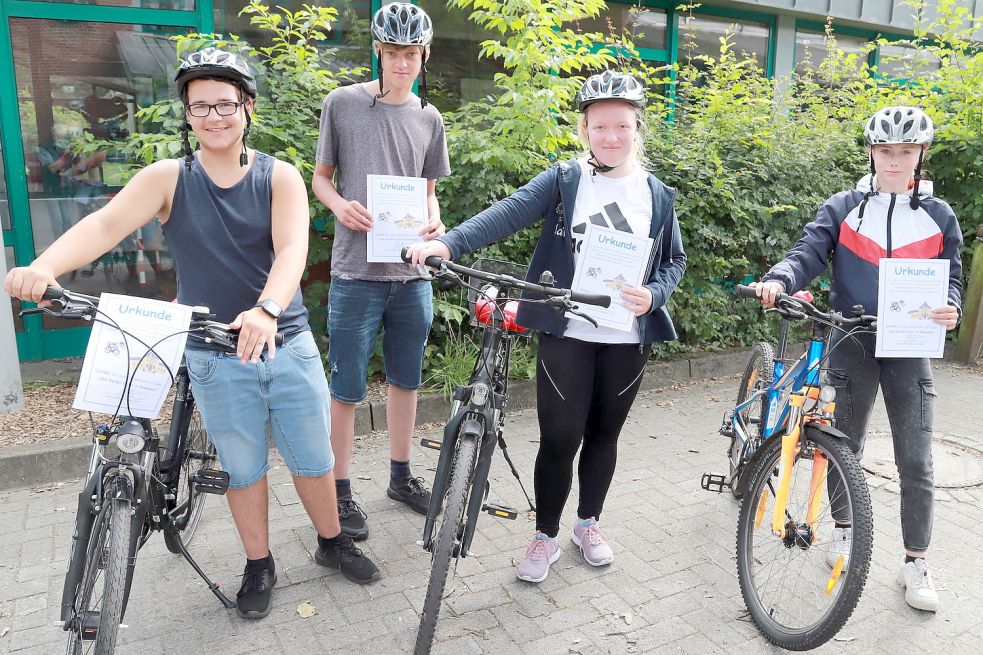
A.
x: 510, y: 282
x: 80, y: 306
x: 793, y: 308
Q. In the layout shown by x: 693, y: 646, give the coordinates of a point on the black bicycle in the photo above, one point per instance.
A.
x: 460, y: 488
x: 136, y: 484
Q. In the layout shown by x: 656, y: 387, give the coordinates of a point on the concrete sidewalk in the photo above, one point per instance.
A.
x: 671, y: 589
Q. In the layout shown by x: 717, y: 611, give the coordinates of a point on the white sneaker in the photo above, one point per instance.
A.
x: 840, y: 543
x: 917, y: 582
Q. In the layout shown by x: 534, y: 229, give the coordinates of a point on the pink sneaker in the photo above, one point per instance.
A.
x: 542, y: 552
x: 592, y: 544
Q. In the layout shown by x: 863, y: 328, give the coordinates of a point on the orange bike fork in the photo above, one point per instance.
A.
x: 790, y: 447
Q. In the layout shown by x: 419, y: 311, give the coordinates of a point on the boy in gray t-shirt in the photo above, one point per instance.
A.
x: 379, y: 127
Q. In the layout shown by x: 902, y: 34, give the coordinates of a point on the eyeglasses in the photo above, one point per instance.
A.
x: 201, y: 109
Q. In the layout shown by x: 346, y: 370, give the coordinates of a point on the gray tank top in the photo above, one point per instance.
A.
x: 222, y: 243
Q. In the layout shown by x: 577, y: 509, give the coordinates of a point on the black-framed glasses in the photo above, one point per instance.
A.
x: 201, y: 109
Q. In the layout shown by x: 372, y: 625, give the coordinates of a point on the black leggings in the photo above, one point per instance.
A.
x: 583, y: 393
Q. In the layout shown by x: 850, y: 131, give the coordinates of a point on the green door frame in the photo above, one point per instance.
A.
x: 34, y: 342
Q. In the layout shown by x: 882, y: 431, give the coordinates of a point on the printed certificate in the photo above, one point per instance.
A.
x: 609, y: 261
x: 909, y: 290
x: 399, y: 211
x: 112, y: 358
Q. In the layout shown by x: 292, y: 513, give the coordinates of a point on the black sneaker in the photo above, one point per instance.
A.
x: 411, y: 491
x: 342, y: 555
x: 353, y: 519
x: 254, y: 598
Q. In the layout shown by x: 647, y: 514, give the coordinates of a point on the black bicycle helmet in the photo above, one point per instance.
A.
x: 402, y: 23
x: 611, y: 85
x: 213, y: 62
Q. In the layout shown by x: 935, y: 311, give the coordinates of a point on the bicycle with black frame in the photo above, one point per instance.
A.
x: 136, y: 484
x: 476, y: 427
x: 792, y: 471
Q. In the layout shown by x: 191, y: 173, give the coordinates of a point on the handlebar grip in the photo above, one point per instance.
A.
x: 52, y: 293
x: 278, y: 339
x: 598, y: 299
x: 742, y: 291
x: 432, y: 261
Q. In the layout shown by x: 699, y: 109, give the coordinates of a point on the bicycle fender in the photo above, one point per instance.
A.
x: 120, y: 487
x: 828, y: 430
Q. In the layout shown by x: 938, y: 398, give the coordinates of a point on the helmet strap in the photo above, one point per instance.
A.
x: 915, y: 201
x: 423, y: 85
x: 244, y: 156
x: 186, y: 142
x: 381, y: 94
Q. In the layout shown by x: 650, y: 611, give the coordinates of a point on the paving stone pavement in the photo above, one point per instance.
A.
x: 671, y: 589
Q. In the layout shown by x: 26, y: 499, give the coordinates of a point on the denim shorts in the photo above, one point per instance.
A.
x: 356, y: 309
x: 241, y: 404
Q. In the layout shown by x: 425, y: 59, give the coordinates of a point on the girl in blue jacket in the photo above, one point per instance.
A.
x: 587, y: 377
x: 893, y: 214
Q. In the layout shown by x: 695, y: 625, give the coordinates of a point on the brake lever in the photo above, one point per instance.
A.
x: 582, y: 315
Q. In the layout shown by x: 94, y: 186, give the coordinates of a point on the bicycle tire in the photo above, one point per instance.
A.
x: 199, y: 452
x: 768, y: 615
x: 455, y: 503
x: 757, y: 375
x: 107, y: 552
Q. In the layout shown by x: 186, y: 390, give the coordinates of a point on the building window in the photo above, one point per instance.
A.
x: 349, y: 36
x: 645, y: 26
x: 901, y: 61
x: 700, y: 35
x: 811, y: 48
x: 456, y: 75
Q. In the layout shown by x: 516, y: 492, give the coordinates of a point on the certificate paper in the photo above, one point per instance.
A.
x: 399, y: 211
x: 609, y: 261
x: 112, y: 357
x: 909, y: 290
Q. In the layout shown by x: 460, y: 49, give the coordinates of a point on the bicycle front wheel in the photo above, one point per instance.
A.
x: 799, y: 588
x: 448, y: 536
x: 199, y: 453
x: 99, y: 603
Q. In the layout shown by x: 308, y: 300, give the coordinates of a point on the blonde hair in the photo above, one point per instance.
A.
x: 637, y: 154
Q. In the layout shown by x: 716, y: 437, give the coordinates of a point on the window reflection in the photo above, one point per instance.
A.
x: 67, y: 92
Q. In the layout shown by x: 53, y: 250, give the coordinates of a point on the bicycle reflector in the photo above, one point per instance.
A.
x: 827, y: 395
x: 130, y: 437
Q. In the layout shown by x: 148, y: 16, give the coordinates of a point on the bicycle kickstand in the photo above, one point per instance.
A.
x: 515, y: 472
x: 212, y: 586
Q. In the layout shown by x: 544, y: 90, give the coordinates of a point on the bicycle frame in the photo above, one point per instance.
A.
x: 804, y: 372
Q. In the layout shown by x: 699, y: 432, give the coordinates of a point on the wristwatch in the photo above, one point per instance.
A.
x: 271, y: 307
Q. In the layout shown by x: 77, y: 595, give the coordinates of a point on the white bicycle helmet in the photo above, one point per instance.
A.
x: 611, y: 85
x: 401, y: 23
x: 899, y: 125
x: 213, y: 62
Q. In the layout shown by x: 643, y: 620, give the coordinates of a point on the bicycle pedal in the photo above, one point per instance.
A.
x: 210, y: 481
x: 500, y: 511
x: 714, y: 482
x: 431, y: 443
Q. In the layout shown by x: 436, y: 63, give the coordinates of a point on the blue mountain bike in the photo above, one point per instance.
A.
x: 801, y: 570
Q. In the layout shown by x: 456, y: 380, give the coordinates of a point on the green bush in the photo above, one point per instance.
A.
x: 752, y: 158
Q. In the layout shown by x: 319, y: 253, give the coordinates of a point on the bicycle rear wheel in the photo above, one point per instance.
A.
x: 795, y: 597
x: 100, y: 596
x: 757, y: 376
x: 199, y: 453
x: 448, y: 536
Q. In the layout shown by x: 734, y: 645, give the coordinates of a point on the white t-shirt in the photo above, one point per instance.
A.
x: 622, y: 203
